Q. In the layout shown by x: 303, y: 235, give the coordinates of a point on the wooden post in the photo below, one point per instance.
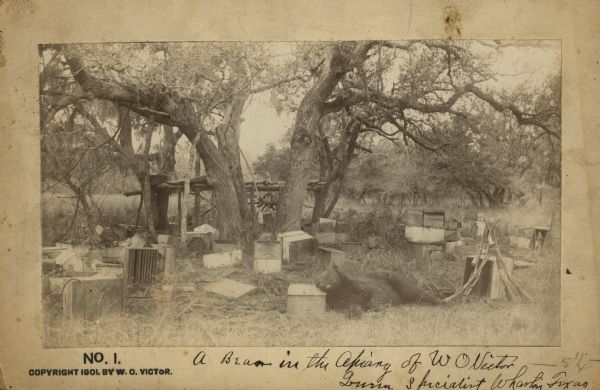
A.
x: 198, y: 171
x: 183, y: 211
x: 179, y: 212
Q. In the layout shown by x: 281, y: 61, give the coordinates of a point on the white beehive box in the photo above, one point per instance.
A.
x: 267, y: 256
x: 305, y: 299
x: 424, y: 226
x: 294, y: 237
x: 223, y: 259
x: 421, y: 234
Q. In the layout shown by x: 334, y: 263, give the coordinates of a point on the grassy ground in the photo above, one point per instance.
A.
x: 57, y: 215
x: 179, y: 313
x: 176, y: 317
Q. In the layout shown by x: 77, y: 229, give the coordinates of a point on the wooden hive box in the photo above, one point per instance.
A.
x: 167, y: 253
x: 328, y: 255
x: 267, y: 256
x: 225, y: 246
x: 113, y: 269
x: 302, y: 248
x: 297, y: 245
x: 489, y: 284
x: 305, y: 299
x: 482, y: 285
x: 421, y: 234
x: 497, y: 290
x: 424, y: 226
x: 327, y: 225
x: 221, y: 259
x: 412, y: 217
x: 284, y: 239
x: 434, y: 219
x: 89, y: 298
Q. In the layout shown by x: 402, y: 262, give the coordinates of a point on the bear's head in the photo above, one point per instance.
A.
x: 330, y: 279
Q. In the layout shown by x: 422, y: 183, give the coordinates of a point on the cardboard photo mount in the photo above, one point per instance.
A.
x: 25, y: 364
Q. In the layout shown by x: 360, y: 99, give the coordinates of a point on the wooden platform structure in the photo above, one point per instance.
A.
x: 163, y: 188
x: 200, y: 184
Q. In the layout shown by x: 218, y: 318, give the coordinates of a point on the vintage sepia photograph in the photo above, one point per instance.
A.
x: 348, y: 193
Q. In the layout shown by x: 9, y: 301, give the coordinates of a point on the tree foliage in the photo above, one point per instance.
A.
x: 436, y: 104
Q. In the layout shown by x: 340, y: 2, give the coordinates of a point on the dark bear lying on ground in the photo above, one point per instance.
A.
x: 351, y: 293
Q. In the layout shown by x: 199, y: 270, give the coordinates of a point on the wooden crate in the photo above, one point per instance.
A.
x: 168, y: 254
x: 302, y: 248
x: 297, y: 245
x: 221, y: 259
x: 424, y: 218
x: 424, y: 226
x: 481, y: 288
x: 305, y: 299
x: 90, y: 298
x: 434, y: 219
x: 412, y: 217
x: 285, y: 239
x: 489, y: 284
x: 225, y: 246
x: 328, y: 255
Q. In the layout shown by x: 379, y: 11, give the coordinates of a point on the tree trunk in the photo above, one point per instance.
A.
x: 85, y: 204
x: 197, y: 198
x: 87, y: 210
x: 167, y: 152
x: 156, y: 103
x: 320, y: 200
x: 228, y: 137
x: 160, y: 207
x: 304, y: 143
x: 334, y: 199
x: 144, y: 179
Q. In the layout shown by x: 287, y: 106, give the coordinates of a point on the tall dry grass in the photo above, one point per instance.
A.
x: 174, y: 316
